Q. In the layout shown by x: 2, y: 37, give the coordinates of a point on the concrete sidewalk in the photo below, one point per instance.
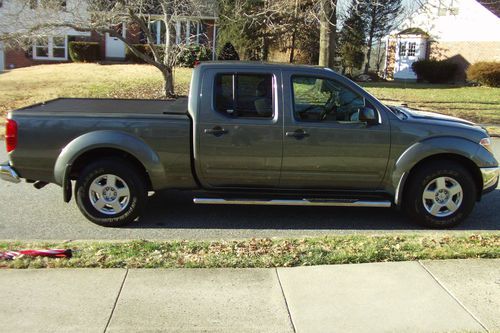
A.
x: 428, y: 296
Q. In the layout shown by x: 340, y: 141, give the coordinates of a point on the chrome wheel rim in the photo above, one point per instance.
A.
x: 109, y: 194
x: 442, y: 196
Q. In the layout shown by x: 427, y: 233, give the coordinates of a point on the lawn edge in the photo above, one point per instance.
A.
x: 261, y: 253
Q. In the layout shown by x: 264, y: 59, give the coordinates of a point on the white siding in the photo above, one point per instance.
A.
x: 473, y: 22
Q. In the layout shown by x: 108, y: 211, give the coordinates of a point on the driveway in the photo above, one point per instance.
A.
x: 30, y: 214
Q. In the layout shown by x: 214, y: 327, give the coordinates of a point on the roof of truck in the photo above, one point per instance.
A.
x: 232, y: 63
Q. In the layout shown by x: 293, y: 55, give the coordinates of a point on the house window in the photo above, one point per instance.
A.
x: 50, y: 48
x: 412, y: 49
x: 190, y: 32
x: 402, y: 49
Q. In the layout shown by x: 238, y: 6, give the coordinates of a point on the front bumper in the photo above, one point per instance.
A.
x: 8, y: 173
x: 490, y: 178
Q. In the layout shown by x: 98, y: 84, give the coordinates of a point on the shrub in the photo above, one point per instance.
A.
x: 228, y: 52
x: 84, y: 51
x: 190, y: 56
x: 435, y: 71
x: 487, y: 73
x: 144, y: 49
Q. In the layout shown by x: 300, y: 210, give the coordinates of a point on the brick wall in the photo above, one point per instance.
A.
x: 465, y: 53
x: 17, y: 58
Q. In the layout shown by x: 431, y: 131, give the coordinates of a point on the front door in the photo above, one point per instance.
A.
x: 408, y: 51
x: 325, y: 145
x: 239, y: 133
x: 115, y: 48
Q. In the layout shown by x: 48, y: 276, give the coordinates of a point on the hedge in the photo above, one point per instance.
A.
x: 84, y: 51
x: 486, y: 73
x: 435, y: 71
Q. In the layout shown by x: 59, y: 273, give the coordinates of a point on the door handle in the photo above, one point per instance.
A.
x: 298, y: 134
x: 216, y: 131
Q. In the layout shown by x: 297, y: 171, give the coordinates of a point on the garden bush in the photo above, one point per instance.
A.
x: 435, y: 71
x: 228, y: 52
x: 190, y: 56
x: 84, y: 51
x: 486, y: 73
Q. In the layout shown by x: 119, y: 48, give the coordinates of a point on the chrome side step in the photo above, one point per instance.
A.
x: 294, y: 202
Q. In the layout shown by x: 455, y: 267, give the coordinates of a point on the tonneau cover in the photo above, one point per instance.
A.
x: 91, y: 105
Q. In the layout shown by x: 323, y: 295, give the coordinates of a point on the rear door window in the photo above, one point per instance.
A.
x: 244, y: 95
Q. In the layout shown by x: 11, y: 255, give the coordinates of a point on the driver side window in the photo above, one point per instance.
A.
x: 322, y: 100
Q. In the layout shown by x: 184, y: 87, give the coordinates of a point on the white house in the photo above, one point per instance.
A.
x: 464, y: 31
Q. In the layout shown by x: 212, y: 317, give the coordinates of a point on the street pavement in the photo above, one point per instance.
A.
x: 428, y: 296
x: 30, y: 214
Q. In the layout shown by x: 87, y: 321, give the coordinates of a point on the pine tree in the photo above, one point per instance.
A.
x: 352, y: 39
x: 380, y: 17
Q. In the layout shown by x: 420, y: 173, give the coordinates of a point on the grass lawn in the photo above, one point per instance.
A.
x: 25, y: 86
x: 342, y: 249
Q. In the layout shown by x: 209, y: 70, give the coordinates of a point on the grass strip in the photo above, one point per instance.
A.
x: 343, y: 249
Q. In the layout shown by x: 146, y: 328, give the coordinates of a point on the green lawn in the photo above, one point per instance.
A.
x: 478, y: 104
x: 342, y: 249
x: 25, y: 86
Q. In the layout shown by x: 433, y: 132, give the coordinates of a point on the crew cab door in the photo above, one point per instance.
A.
x: 238, y: 130
x: 325, y: 145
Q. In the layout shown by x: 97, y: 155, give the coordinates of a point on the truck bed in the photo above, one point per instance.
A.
x: 110, y: 106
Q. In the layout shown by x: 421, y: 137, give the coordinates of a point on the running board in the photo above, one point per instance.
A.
x: 291, y: 202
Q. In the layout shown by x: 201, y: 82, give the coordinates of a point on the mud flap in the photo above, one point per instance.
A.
x: 66, y: 184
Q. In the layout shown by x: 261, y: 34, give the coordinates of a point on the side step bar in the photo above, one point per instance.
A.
x: 294, y: 202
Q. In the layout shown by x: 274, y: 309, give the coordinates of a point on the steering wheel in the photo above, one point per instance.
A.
x: 329, y: 107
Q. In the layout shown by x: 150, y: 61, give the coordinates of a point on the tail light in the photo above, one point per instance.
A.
x: 11, y: 135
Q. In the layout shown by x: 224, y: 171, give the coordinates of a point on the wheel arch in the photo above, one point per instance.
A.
x: 468, y: 164
x: 434, y: 149
x: 99, y: 144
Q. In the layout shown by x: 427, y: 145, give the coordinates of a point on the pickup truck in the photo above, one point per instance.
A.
x: 253, y: 134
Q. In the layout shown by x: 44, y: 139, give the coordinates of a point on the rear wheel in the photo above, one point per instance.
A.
x: 111, y: 193
x: 440, y: 195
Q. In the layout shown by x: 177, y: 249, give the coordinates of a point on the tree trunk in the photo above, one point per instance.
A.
x: 168, y: 82
x: 370, y: 39
x: 328, y: 33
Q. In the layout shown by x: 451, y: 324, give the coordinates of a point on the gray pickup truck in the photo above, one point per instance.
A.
x: 257, y: 134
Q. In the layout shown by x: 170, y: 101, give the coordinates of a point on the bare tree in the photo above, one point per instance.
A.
x: 276, y: 21
x: 33, y: 19
x: 328, y: 32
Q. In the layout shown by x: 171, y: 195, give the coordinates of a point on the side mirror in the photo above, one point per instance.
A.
x: 367, y: 115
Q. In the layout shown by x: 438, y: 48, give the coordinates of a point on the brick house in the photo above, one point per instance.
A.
x: 198, y: 30
x: 464, y: 31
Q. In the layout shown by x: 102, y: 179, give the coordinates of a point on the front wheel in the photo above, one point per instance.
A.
x: 440, y: 195
x: 111, y: 193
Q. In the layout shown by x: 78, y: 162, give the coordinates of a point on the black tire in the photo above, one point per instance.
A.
x: 426, y: 178
x: 127, y: 178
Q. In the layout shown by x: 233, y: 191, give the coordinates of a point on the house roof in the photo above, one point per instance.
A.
x: 492, y: 5
x: 413, y: 31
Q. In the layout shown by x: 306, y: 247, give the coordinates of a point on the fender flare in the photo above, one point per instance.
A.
x: 105, y: 139
x: 424, y: 149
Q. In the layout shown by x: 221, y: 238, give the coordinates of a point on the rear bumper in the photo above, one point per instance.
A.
x: 490, y: 178
x: 8, y: 173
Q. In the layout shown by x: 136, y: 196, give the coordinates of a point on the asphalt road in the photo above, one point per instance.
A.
x: 30, y: 214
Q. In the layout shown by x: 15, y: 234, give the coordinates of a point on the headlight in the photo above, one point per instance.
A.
x: 486, y: 143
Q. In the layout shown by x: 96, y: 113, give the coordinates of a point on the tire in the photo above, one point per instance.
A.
x: 111, y: 192
x: 440, y: 195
